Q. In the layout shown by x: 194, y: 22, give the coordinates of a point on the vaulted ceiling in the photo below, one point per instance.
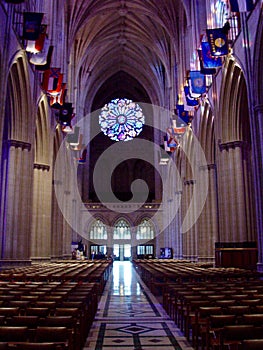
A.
x: 113, y: 39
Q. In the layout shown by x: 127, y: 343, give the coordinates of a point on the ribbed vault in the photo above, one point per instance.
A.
x: 139, y: 38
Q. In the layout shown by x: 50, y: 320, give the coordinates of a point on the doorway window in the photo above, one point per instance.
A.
x: 145, y: 230
x: 98, y: 230
x: 122, y: 230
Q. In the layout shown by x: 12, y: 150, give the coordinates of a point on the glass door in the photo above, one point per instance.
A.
x: 122, y: 252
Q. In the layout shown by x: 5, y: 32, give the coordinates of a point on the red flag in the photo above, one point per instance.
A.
x: 52, y: 81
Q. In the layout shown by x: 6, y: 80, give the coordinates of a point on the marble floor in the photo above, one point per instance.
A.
x: 129, y: 317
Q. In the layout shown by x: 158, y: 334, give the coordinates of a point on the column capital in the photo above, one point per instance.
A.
x: 189, y: 182
x: 207, y: 167
x: 178, y: 192
x: 232, y: 144
x: 19, y: 144
x: 40, y: 166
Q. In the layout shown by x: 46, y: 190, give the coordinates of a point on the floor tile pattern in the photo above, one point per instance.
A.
x: 129, y: 317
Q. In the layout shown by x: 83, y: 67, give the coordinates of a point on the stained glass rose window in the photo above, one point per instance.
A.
x: 121, y: 119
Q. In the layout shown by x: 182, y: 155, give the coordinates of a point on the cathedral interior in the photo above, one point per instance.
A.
x: 131, y: 133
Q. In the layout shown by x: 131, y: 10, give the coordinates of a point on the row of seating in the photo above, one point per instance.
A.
x: 196, y: 303
x: 50, y: 312
x: 158, y: 272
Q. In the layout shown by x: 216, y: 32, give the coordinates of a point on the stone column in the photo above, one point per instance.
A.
x: 57, y: 227
x: 208, y: 220
x: 178, y: 238
x: 18, y: 201
x: 41, y: 218
x: 189, y: 237
x: 233, y: 217
x: 257, y: 143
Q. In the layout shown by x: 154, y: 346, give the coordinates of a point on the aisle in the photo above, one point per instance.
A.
x: 130, y: 318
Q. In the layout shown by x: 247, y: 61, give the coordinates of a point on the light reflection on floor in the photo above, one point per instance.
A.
x: 129, y: 317
x: 122, y: 279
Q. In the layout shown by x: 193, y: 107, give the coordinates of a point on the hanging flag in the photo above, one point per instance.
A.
x: 40, y: 58
x: 163, y: 156
x: 35, y: 46
x: 208, y: 60
x: 83, y: 157
x: 65, y: 114
x: 218, y: 42
x: 171, y: 139
x: 167, y: 147
x: 73, y: 138
x: 66, y: 128
x: 32, y: 25
x: 189, y: 100
x: 44, y: 59
x: 183, y: 114
x: 178, y: 127
x: 203, y: 70
x: 57, y: 101
x: 79, y: 146
x: 241, y: 5
x: 52, y: 81
x: 198, y: 84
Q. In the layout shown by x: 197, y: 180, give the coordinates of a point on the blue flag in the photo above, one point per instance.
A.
x: 190, y: 100
x: 198, y: 85
x: 209, y: 61
x: 241, y: 5
x: 32, y: 25
x: 183, y: 114
x: 205, y: 71
x: 218, y: 42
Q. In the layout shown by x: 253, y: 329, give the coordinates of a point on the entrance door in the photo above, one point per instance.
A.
x: 122, y: 252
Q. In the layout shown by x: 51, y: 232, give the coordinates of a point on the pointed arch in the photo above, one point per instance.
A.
x: 122, y: 229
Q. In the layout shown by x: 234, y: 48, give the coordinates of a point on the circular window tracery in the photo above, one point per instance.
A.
x: 121, y: 119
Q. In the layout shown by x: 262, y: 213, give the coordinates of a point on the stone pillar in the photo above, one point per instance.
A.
x: 41, y: 218
x: 257, y: 143
x: 57, y: 227
x: 233, y: 216
x: 178, y: 238
x: 208, y: 220
x: 189, y: 237
x: 18, y: 201
x: 67, y: 230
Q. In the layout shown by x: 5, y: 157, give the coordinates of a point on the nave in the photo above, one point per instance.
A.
x: 129, y: 317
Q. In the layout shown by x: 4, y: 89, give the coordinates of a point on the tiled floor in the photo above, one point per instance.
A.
x: 129, y: 317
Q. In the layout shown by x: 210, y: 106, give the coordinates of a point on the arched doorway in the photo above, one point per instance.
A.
x: 122, y: 240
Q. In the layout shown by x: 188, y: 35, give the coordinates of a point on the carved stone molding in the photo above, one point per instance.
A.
x: 233, y: 144
x: 19, y: 144
x: 189, y: 182
x: 41, y: 166
x: 207, y: 167
x: 178, y: 192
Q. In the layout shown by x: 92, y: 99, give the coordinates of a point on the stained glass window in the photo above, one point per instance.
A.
x: 121, y: 119
x: 122, y: 230
x: 98, y: 230
x: 145, y: 230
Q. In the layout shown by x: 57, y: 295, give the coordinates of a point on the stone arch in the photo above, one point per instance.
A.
x: 17, y: 162
x: 233, y: 106
x: 236, y: 213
